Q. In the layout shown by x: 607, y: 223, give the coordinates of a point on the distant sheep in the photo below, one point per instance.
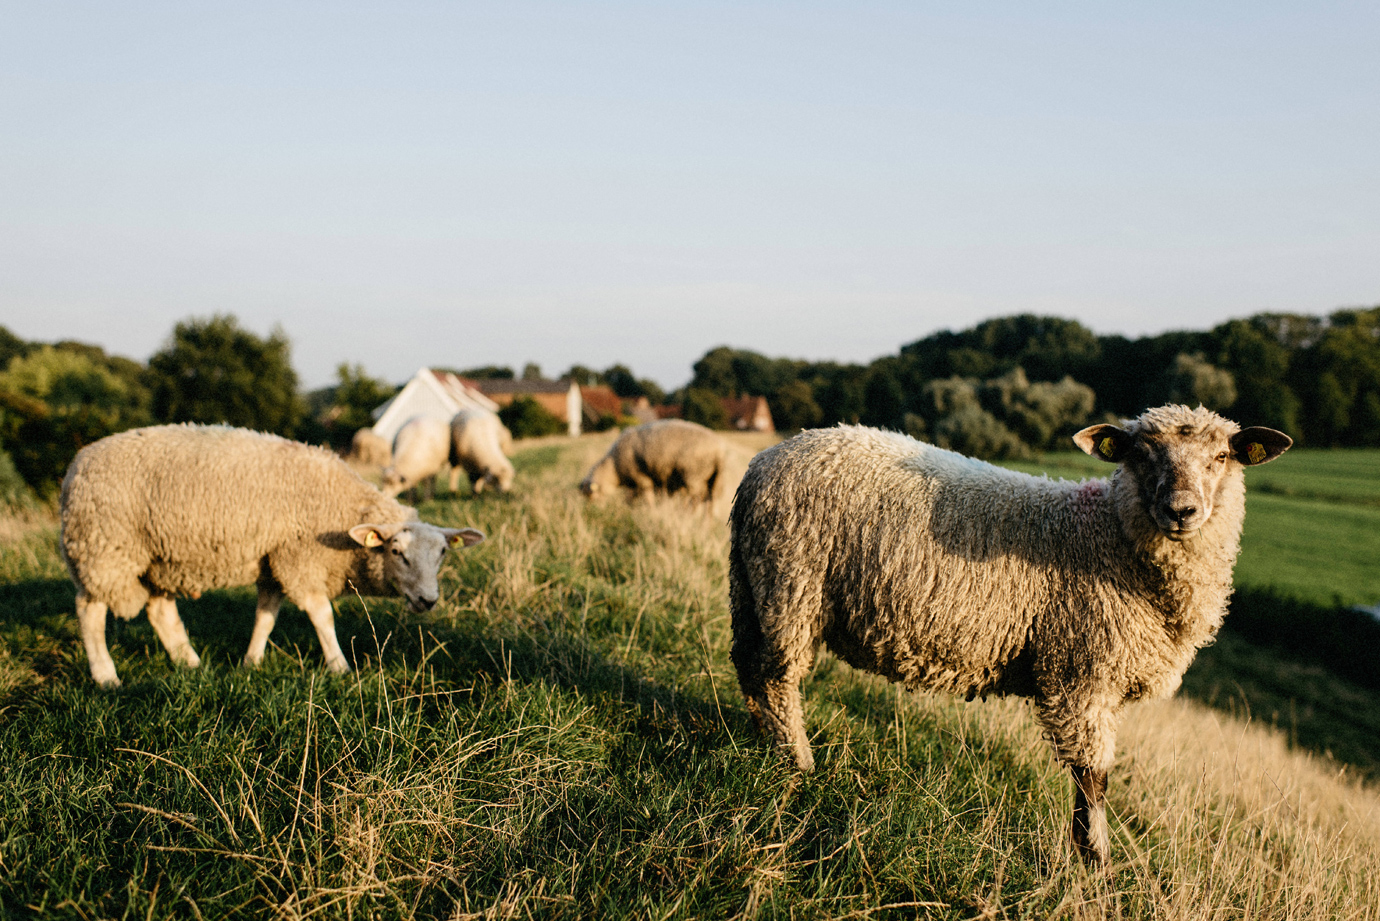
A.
x: 668, y: 457
x: 420, y: 451
x: 153, y: 513
x: 479, y: 443
x: 370, y: 449
x: 946, y: 573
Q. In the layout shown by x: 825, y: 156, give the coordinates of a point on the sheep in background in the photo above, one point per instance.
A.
x: 420, y: 449
x: 668, y: 457
x: 153, y: 513
x: 946, y: 573
x: 369, y: 449
x: 478, y: 445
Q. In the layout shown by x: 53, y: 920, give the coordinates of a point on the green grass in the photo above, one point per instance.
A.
x: 1312, y: 522
x: 562, y: 737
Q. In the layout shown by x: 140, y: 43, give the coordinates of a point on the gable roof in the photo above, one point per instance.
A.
x: 429, y: 393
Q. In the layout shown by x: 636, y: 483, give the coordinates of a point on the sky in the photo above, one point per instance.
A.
x: 469, y: 183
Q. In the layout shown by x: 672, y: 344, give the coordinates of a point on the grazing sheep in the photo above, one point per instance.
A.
x: 669, y: 456
x: 420, y: 449
x: 478, y: 445
x: 370, y: 449
x: 152, y: 513
x: 946, y: 573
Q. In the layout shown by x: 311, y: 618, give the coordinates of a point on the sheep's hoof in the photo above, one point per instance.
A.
x: 338, y: 666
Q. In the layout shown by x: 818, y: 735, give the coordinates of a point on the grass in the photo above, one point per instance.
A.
x: 562, y: 737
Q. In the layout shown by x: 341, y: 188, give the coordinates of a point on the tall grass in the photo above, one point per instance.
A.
x: 563, y: 737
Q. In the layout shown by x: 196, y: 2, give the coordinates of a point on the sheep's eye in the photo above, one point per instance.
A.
x: 1222, y: 458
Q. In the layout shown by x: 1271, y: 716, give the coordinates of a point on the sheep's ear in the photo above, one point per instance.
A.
x: 463, y: 537
x: 1259, y: 445
x: 373, y: 535
x: 1105, y: 442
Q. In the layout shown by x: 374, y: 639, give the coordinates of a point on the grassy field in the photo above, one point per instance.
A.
x: 1312, y: 522
x: 562, y: 737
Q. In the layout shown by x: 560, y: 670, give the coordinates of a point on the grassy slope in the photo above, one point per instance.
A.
x: 562, y: 737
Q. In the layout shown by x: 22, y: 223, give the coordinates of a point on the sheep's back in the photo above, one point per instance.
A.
x: 905, y: 554
x: 201, y: 506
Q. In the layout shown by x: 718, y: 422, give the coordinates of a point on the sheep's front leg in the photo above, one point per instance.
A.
x: 91, y: 620
x: 171, y: 631
x: 265, y: 616
x: 1090, y: 836
x: 318, y: 608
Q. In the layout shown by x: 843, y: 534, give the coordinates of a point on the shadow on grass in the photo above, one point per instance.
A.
x: 1311, y: 671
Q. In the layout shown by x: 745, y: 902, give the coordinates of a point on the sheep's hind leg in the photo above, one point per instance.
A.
x: 265, y: 616
x: 91, y: 620
x: 1090, y: 836
x: 779, y: 709
x: 171, y: 631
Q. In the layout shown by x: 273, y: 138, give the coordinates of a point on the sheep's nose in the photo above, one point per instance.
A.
x: 1179, y: 513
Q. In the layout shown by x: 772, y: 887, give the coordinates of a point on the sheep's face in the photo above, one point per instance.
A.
x: 1178, y: 459
x: 412, y: 553
x: 602, y: 480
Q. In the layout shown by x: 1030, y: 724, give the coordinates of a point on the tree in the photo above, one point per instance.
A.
x: 486, y: 373
x: 793, y: 406
x: 1190, y: 380
x: 1258, y: 355
x: 54, y: 402
x: 705, y: 407
x: 213, y: 371
x: 884, y: 399
x: 531, y: 371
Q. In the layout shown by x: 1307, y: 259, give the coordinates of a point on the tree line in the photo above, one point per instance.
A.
x: 1013, y: 385
x: 1006, y: 387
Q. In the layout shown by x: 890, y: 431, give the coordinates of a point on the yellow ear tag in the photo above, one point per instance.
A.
x: 1106, y: 447
x: 1256, y: 452
x: 454, y: 540
x: 372, y: 540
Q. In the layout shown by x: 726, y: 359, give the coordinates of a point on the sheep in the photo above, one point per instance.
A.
x: 420, y: 449
x: 478, y: 445
x: 370, y: 449
x: 946, y: 573
x: 669, y: 456
x: 152, y: 513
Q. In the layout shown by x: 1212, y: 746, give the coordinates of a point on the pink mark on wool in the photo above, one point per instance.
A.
x: 1086, y: 499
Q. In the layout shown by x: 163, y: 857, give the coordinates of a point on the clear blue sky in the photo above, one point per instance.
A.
x: 494, y: 183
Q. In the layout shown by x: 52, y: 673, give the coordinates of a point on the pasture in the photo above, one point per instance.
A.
x: 562, y: 737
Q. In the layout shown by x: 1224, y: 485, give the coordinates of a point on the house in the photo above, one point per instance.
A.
x: 749, y: 414
x: 560, y: 398
x: 429, y: 393
x: 599, y: 403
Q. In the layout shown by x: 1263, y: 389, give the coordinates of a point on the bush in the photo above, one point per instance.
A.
x: 526, y: 418
x: 14, y: 492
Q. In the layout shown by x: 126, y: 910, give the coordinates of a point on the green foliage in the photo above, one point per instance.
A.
x: 705, y: 407
x: 213, y: 371
x: 793, y: 407
x: 56, y: 400
x: 1191, y: 380
x: 11, y: 346
x: 486, y: 372
x: 15, y: 493
x: 526, y: 418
